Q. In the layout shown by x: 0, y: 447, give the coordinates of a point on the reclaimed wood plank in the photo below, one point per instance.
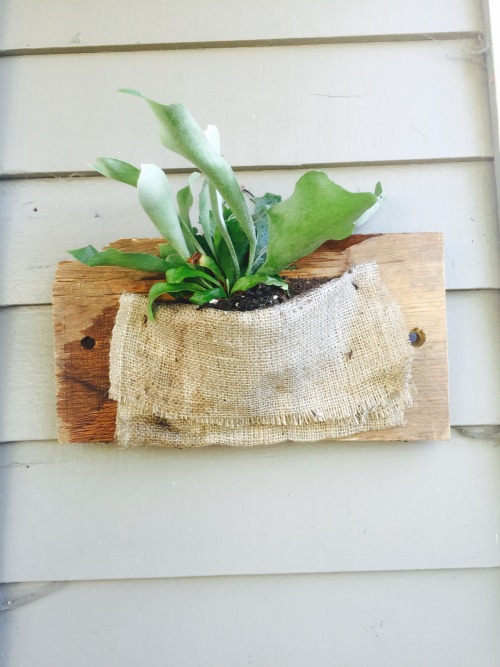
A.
x: 28, y: 386
x: 86, y: 301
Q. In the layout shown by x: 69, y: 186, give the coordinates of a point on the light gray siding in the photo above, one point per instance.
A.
x: 330, y: 554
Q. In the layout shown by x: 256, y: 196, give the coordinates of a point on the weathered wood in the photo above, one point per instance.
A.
x: 28, y: 378
x: 86, y: 300
x: 397, y: 101
x: 28, y: 24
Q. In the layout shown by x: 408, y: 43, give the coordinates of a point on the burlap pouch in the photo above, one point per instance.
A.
x: 327, y: 364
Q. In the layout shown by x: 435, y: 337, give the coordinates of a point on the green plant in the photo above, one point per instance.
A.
x: 232, y: 249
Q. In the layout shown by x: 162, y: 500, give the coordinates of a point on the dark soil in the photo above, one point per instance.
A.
x: 265, y: 296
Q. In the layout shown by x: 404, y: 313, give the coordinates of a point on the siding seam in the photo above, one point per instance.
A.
x: 231, y: 44
x: 12, y: 176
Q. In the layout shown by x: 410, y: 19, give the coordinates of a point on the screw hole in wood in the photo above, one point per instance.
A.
x: 88, y: 343
x: 417, y: 337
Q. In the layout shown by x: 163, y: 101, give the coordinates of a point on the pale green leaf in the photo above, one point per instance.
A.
x: 156, y: 197
x: 185, y: 201
x: 117, y: 169
x: 206, y: 220
x: 181, y: 134
x: 185, y: 198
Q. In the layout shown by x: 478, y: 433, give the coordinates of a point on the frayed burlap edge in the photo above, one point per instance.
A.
x: 374, y: 325
x: 134, y: 429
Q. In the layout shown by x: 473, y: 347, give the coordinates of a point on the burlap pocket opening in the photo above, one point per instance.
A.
x: 327, y: 364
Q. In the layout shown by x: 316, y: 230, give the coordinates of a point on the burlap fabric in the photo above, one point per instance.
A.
x: 327, y: 364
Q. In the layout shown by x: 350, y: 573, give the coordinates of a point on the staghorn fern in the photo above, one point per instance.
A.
x: 233, y: 249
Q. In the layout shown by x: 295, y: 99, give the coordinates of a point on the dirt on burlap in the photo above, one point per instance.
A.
x: 332, y: 362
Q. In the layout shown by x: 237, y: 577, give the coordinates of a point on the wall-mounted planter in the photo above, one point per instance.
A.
x: 86, y: 302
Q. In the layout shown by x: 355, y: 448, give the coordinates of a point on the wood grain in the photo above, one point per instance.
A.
x: 86, y: 301
x: 29, y: 386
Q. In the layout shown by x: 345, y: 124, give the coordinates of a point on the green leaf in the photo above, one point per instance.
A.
x: 373, y: 209
x: 247, y: 282
x: 208, y: 263
x: 84, y: 255
x: 204, y: 297
x: 181, y: 273
x: 166, y: 288
x: 206, y: 220
x: 317, y: 211
x: 138, y: 261
x: 239, y: 243
x: 264, y: 203
x: 167, y: 253
x: 181, y: 134
x: 117, y: 169
x: 239, y: 240
x: 155, y: 195
x: 222, y: 229
x: 203, y: 246
x: 261, y: 220
x: 185, y: 201
x: 185, y: 198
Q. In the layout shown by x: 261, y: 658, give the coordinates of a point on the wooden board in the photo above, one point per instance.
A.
x: 28, y: 376
x: 86, y: 301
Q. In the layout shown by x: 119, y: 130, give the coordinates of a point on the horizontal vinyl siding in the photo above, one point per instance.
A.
x: 333, y: 104
x: 43, y: 218
x: 361, y: 554
x: 350, y: 620
x: 94, y: 512
x: 71, y: 24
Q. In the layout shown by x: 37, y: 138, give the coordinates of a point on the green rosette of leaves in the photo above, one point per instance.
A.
x: 234, y: 244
